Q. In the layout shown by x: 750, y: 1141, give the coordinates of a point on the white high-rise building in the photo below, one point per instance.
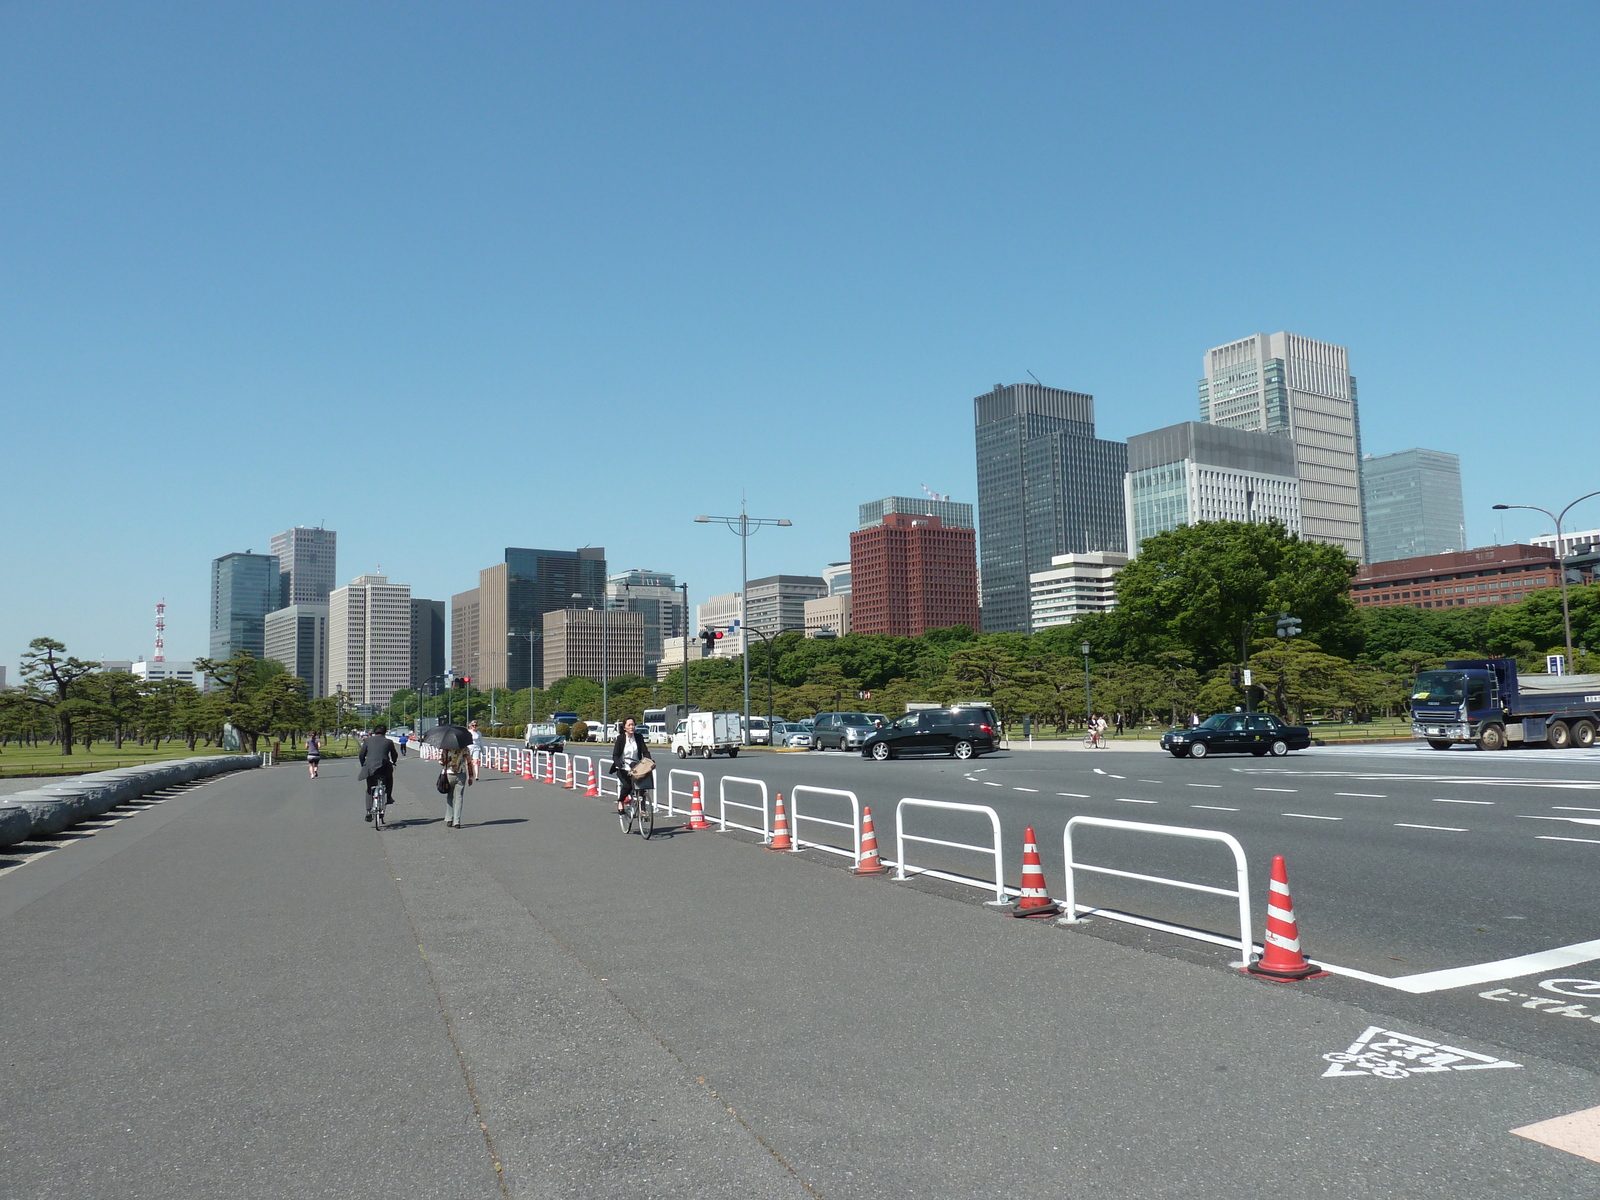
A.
x: 369, y: 639
x: 1194, y: 472
x: 297, y: 637
x: 720, y: 613
x: 1074, y: 585
x: 1301, y: 389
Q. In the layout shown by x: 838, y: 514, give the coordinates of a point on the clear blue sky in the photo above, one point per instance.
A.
x: 449, y: 278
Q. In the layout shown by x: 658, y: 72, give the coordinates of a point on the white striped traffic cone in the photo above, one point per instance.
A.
x: 1281, y: 958
x: 1035, y: 901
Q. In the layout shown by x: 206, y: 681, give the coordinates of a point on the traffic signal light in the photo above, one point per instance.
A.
x: 1288, y: 626
x: 708, y: 640
x: 1234, y: 676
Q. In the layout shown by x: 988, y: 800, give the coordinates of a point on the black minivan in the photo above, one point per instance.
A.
x: 958, y: 732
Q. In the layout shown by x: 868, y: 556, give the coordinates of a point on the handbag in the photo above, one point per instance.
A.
x: 642, y: 768
x: 443, y: 783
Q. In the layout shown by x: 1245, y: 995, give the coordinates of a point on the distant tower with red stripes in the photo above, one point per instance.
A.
x: 161, y: 631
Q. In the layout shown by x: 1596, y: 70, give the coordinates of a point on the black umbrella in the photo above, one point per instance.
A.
x: 449, y: 737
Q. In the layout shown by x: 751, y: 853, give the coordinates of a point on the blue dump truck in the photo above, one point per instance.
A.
x: 1482, y: 701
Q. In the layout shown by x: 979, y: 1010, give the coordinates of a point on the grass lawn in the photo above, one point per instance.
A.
x: 104, y: 756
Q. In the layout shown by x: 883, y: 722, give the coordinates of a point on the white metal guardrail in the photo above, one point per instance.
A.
x: 561, y: 770
x: 674, y: 791
x: 901, y: 837
x: 541, y: 764
x: 580, y: 773
x: 1241, y: 875
x: 796, y: 816
x: 725, y: 804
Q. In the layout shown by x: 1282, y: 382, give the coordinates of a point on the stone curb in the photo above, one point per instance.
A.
x: 50, y: 809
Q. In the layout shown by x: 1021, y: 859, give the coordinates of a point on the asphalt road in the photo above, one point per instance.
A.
x: 244, y: 991
x: 1402, y: 860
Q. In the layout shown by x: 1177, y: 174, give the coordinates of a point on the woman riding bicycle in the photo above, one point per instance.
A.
x: 629, y: 749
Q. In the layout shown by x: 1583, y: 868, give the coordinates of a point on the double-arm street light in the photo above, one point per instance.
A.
x: 1561, y: 559
x: 605, y: 665
x: 744, y: 525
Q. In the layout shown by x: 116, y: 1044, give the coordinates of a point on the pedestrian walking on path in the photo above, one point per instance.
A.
x: 460, y: 770
x: 403, y: 739
x: 313, y: 754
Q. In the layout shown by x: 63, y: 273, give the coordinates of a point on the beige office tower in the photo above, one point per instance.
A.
x: 1301, y: 389
x: 369, y: 639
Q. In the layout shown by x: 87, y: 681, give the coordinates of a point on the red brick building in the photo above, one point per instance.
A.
x: 911, y: 574
x: 1489, y: 575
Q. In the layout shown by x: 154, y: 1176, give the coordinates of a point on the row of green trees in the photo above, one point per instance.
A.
x: 69, y: 702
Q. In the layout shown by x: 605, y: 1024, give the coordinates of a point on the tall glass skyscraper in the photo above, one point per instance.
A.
x: 244, y: 589
x: 1046, y: 486
x: 1301, y: 389
x: 1412, y: 503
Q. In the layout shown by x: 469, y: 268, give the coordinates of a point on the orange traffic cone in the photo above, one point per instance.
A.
x: 1035, y: 900
x: 697, y: 813
x: 870, y: 864
x: 780, y: 828
x: 550, y: 769
x: 594, y: 786
x: 527, y: 764
x: 1281, y: 958
x: 572, y: 775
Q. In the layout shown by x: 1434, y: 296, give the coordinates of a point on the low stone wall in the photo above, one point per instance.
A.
x: 55, y: 806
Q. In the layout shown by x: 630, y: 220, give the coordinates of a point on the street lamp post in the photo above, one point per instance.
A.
x: 1088, y: 697
x: 685, y: 632
x: 605, y: 665
x: 744, y: 525
x: 1561, y: 560
x: 766, y: 644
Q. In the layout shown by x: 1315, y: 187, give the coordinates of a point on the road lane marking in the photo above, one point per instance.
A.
x: 1073, y: 795
x: 1571, y: 808
x: 1125, y: 800
x: 1214, y: 807
x: 1441, y: 800
x: 1546, y: 837
x: 1277, y: 789
x: 1387, y: 1054
x: 1215, y: 785
x: 1313, y: 817
x: 1436, y: 828
x: 990, y: 783
x: 1362, y: 795
x: 1569, y: 820
x: 1149, y: 780
x: 1493, y: 972
x: 1023, y: 789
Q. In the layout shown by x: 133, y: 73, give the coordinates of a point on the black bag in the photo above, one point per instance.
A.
x: 443, y: 783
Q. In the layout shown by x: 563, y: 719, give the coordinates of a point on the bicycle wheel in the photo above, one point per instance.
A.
x: 625, y: 816
x: 647, y: 817
x: 378, y: 797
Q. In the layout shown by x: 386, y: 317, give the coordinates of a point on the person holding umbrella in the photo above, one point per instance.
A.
x: 458, y: 768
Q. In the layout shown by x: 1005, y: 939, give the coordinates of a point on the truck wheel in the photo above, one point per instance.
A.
x: 1558, y: 735
x: 1583, y: 734
x: 706, y: 752
x: 1493, y: 737
x: 1437, y: 745
x: 733, y: 754
x: 683, y: 753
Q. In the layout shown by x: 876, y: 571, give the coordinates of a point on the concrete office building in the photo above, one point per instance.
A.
x: 837, y: 578
x: 244, y: 589
x: 427, y: 641
x: 307, y: 561
x: 1074, y: 585
x: 1487, y: 575
x: 513, y: 596
x: 654, y: 595
x: 828, y: 616
x: 1411, y: 503
x: 369, y: 639
x: 718, y: 613
x: 1046, y: 486
x: 576, y: 643
x: 1581, y: 542
x: 953, y: 513
x: 464, y: 634
x: 777, y: 603
x: 1193, y: 472
x: 674, y: 651
x: 297, y: 637
x: 1301, y: 389
x: 177, y: 669
x: 910, y: 574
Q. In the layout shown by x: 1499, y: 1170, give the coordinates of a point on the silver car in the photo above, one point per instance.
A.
x: 792, y: 735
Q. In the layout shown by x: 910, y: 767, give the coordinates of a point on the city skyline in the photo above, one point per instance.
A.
x: 181, y: 244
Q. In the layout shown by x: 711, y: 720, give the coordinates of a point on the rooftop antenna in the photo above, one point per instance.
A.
x: 1035, y: 378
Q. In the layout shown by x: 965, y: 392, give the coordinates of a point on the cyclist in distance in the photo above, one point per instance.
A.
x: 628, y: 749
x: 378, y: 757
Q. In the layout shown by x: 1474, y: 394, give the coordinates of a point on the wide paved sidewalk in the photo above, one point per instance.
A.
x: 246, y: 992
